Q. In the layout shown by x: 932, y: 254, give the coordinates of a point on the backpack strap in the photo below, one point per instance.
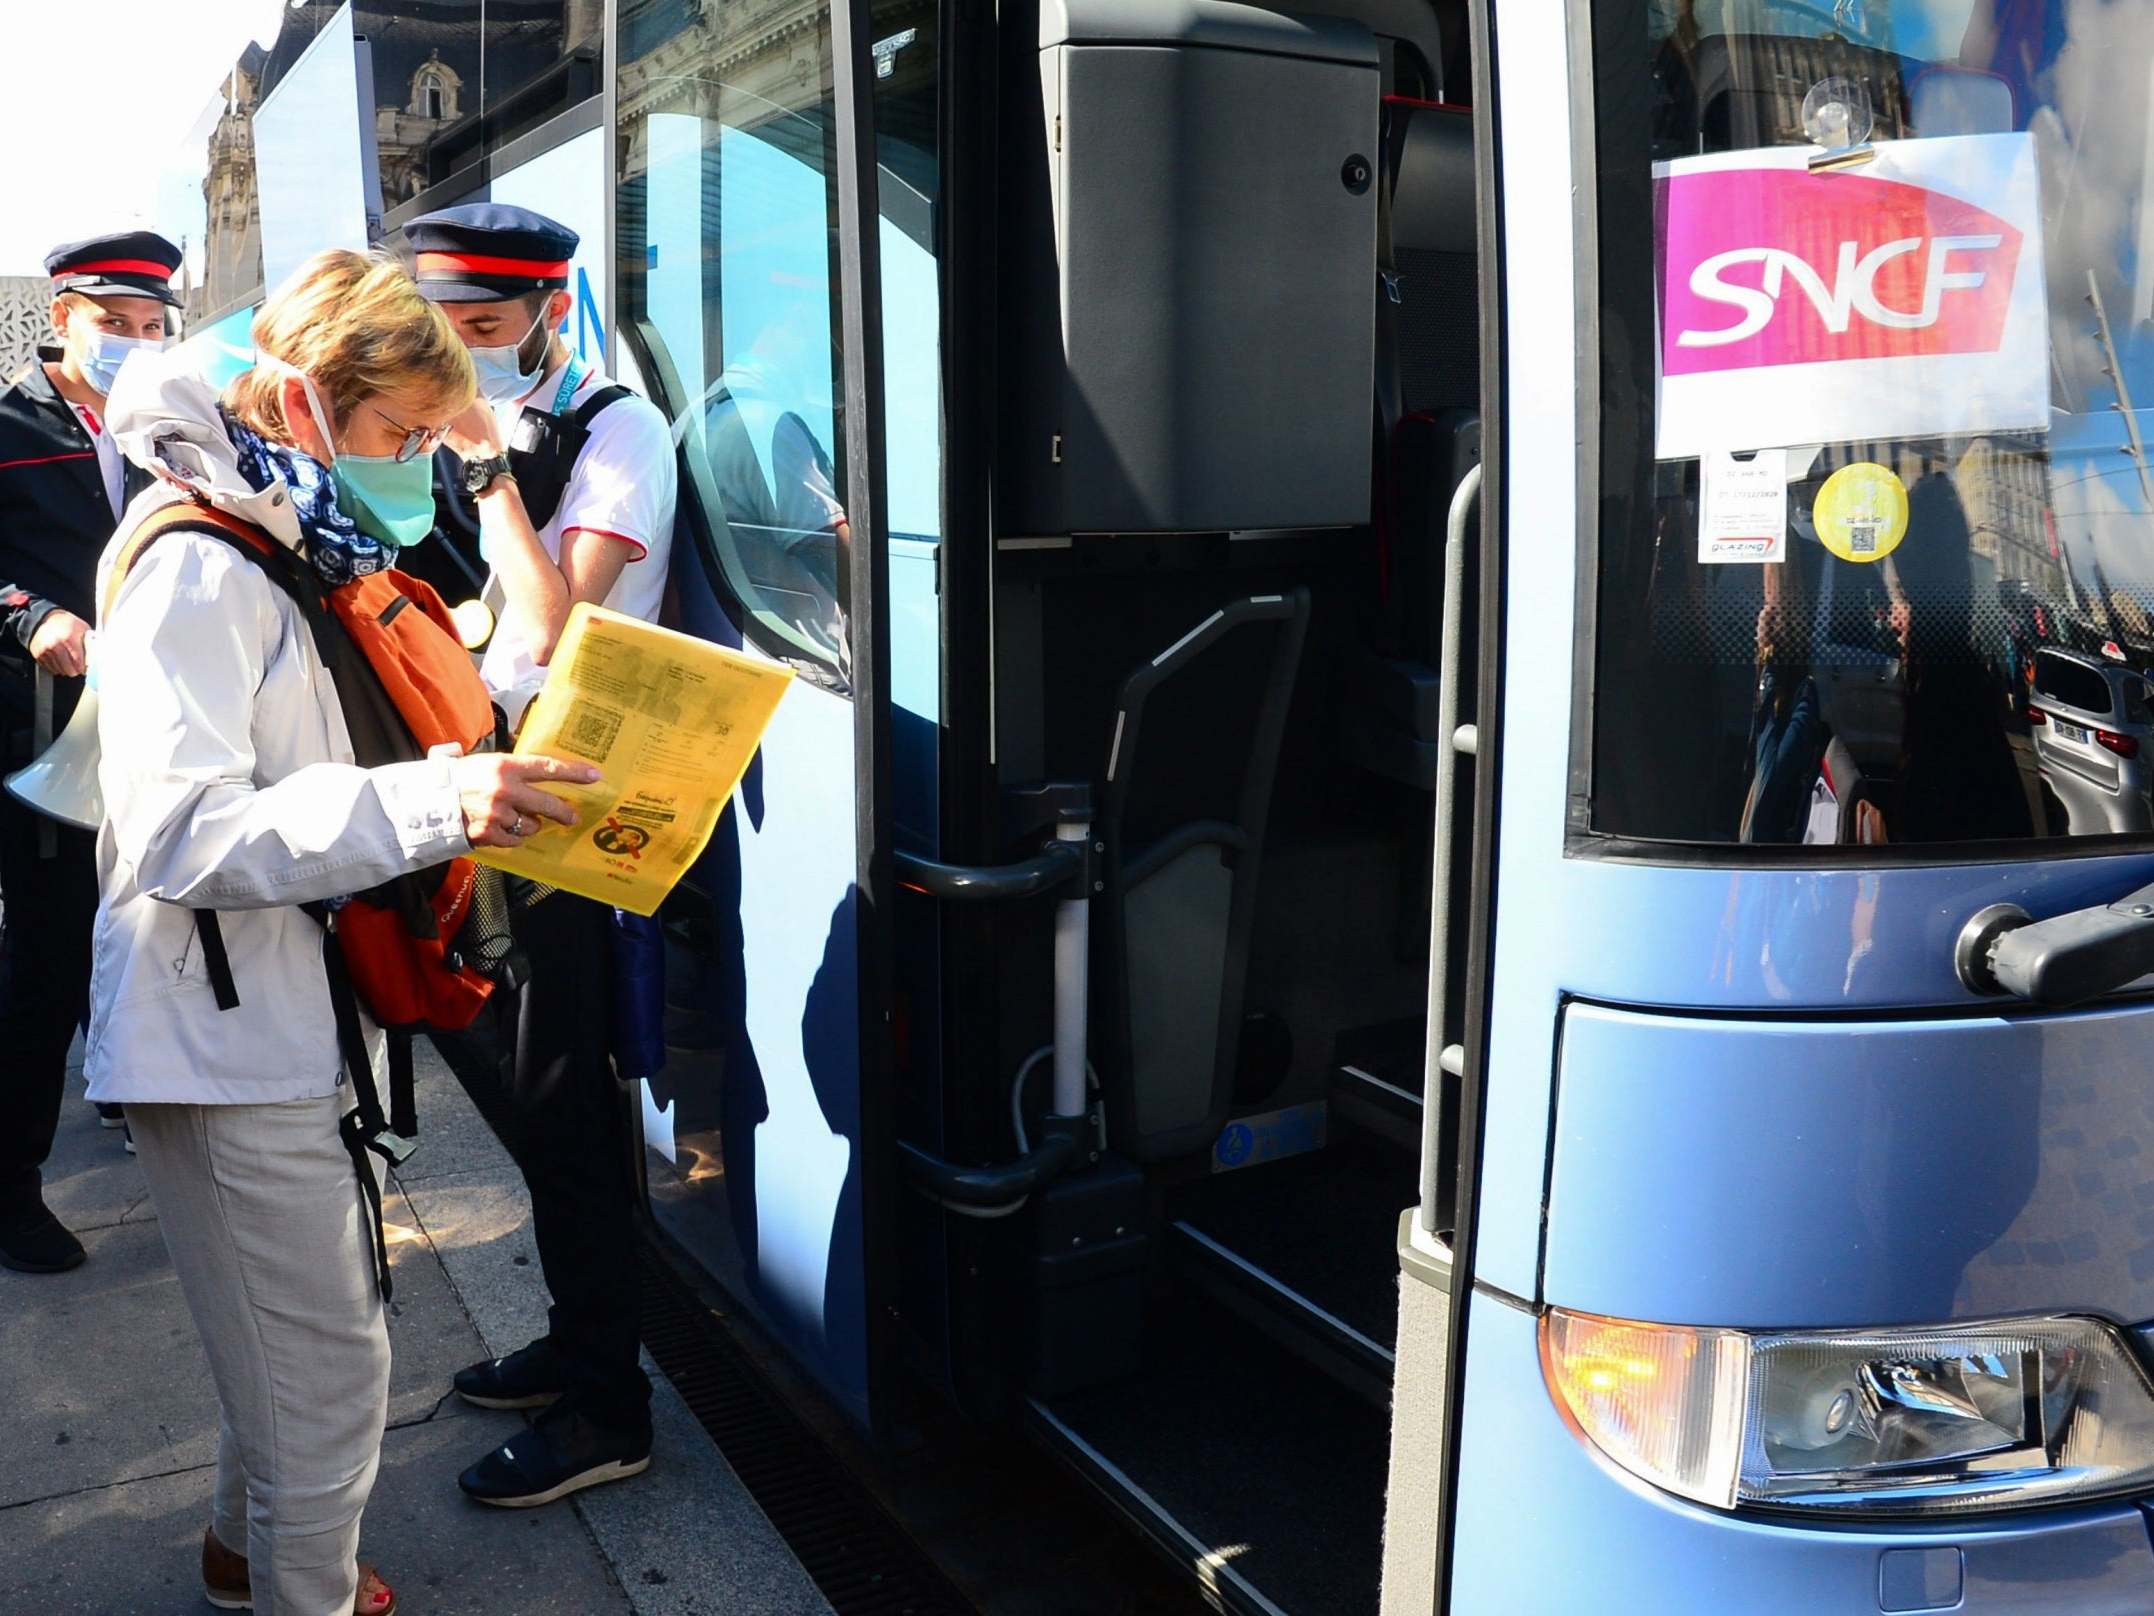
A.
x: 363, y: 1128
x: 588, y: 411
x: 188, y: 516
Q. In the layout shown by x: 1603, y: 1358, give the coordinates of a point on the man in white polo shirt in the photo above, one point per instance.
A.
x: 574, y: 478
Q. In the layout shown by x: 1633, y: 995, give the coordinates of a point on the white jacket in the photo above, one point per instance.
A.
x: 229, y: 785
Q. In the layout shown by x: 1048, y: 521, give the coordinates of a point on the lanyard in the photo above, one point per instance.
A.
x: 571, y: 379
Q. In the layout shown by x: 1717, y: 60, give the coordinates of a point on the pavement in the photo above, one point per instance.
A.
x: 108, y: 1420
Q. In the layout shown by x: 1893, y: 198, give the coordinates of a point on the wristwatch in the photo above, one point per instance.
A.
x: 479, y: 474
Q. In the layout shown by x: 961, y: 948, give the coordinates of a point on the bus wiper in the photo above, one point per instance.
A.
x: 2064, y: 960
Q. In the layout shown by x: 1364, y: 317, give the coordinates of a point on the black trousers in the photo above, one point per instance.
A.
x: 567, y: 1127
x: 47, y: 909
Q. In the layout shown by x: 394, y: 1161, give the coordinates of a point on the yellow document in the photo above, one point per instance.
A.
x: 672, y: 721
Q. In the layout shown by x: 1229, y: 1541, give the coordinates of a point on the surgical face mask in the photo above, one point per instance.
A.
x: 103, y: 354
x: 504, y: 375
x: 390, y: 498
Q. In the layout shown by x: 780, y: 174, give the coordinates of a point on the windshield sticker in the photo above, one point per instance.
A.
x: 1861, y: 512
x: 1743, y: 502
x: 1900, y: 299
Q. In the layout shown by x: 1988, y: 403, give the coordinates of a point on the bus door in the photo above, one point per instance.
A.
x: 1810, y: 1264
x: 752, y: 266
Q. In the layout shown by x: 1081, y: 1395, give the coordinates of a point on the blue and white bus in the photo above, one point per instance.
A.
x: 1453, y: 892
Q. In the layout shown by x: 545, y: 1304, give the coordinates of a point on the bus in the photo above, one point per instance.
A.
x: 1454, y: 892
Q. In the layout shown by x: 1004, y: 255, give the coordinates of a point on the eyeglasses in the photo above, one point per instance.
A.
x: 417, y: 439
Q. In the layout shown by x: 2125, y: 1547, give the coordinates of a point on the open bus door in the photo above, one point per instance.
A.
x: 760, y: 237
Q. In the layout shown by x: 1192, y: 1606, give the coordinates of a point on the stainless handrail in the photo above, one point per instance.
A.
x: 1439, y: 1057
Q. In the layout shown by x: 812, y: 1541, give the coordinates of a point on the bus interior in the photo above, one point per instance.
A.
x: 1217, y: 1354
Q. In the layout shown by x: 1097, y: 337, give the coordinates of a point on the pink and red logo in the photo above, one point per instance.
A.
x: 1785, y: 267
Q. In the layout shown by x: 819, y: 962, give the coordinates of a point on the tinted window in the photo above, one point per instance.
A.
x: 2073, y: 683
x: 728, y: 294
x: 1873, y: 385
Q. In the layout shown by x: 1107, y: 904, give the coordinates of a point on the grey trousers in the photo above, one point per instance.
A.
x: 269, y: 1237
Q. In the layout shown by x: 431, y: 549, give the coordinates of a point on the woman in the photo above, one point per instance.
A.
x: 229, y: 785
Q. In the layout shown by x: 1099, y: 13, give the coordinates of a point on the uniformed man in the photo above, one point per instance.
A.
x: 63, y: 484
x: 574, y: 482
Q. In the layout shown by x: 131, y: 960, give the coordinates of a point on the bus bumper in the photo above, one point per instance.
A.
x: 1544, y: 1523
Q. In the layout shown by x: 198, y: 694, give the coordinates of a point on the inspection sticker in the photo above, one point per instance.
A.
x: 1743, y: 506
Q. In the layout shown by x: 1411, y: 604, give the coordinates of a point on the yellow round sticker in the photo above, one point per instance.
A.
x: 1861, y: 512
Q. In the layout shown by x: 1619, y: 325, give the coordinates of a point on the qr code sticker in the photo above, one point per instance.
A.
x: 1862, y: 538
x: 590, y: 730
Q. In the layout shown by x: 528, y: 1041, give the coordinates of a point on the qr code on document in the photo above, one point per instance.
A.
x: 589, y: 730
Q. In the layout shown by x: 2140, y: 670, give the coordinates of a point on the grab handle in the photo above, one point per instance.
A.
x: 1452, y: 740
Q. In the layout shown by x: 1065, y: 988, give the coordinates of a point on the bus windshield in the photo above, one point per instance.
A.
x: 1875, y: 492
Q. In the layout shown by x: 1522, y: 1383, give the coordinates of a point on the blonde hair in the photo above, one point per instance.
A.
x: 355, y: 323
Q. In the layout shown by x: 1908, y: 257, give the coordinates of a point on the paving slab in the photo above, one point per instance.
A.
x: 91, y: 1182
x: 135, y: 1550
x: 453, y: 1137
x: 102, y: 1377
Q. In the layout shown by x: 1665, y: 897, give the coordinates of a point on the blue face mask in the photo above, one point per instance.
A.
x: 503, y: 376
x: 390, y: 498
x: 104, y: 354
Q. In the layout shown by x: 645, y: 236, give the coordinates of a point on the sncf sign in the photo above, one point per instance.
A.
x: 1808, y: 267
x: 1904, y: 299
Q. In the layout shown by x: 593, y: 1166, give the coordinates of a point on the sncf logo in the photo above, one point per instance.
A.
x: 1784, y: 267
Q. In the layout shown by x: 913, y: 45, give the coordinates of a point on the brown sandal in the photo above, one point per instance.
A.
x: 225, y: 1583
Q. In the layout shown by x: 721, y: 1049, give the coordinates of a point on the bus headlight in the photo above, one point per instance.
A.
x: 1907, y: 1422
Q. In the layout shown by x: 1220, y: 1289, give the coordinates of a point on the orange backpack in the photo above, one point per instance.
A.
x: 406, y: 685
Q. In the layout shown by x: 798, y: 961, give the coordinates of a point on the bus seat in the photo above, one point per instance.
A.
x: 1172, y: 921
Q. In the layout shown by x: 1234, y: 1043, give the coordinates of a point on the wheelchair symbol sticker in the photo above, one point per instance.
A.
x: 1235, y: 1145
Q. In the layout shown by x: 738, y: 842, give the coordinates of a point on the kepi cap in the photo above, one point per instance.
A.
x: 129, y: 263
x: 483, y: 252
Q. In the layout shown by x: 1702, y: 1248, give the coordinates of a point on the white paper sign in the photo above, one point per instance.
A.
x: 1900, y: 298
x: 1743, y: 507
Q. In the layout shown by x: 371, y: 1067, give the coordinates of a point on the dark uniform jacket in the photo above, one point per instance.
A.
x: 54, y: 522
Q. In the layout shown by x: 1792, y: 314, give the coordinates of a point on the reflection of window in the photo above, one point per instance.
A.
x: 430, y: 98
x: 728, y: 243
x: 1943, y: 570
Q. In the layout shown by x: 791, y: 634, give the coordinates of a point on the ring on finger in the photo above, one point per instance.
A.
x: 521, y: 824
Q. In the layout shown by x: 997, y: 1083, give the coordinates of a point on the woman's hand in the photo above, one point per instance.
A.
x: 502, y: 807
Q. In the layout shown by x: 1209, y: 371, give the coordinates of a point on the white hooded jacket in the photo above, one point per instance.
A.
x: 229, y: 784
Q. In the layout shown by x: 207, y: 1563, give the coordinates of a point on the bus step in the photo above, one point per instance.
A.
x: 1264, y: 1481
x: 1295, y: 1321
x: 1306, y: 1251
x: 1380, y: 1099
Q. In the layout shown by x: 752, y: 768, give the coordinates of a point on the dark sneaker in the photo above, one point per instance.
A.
x: 562, y: 1454
x: 33, y: 1241
x: 110, y: 1114
x: 127, y: 1138
x: 530, y: 1377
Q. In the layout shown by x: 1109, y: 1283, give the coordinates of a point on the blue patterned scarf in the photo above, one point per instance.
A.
x: 329, y: 540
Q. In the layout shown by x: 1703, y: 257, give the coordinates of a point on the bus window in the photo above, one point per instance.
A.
x: 728, y: 231
x: 1894, y: 312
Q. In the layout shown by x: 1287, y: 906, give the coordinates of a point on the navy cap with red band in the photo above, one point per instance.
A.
x: 128, y: 263
x: 483, y: 252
